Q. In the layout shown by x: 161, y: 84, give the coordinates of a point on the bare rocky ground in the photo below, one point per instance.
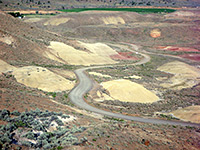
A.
x: 88, y: 130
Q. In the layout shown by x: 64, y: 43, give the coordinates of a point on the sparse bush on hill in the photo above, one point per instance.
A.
x: 15, y: 113
x: 36, y: 123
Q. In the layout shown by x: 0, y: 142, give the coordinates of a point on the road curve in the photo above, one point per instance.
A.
x: 86, y: 84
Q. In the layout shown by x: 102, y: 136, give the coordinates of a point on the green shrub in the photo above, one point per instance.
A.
x: 69, y: 140
x: 21, y: 124
x: 53, y: 94
x: 37, y: 112
x: 65, y: 116
x: 84, y: 139
x: 30, y: 135
x: 5, y: 139
x: 59, y: 122
x: 9, y: 127
x: 48, y: 146
x: 40, y: 127
x: 4, y: 114
x: 27, y: 143
x: 59, y: 147
x: 61, y: 132
x: 16, y: 113
x: 54, y: 117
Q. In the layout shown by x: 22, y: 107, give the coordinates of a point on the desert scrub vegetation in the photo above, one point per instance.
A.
x: 33, y: 129
x: 146, y: 71
x: 68, y: 67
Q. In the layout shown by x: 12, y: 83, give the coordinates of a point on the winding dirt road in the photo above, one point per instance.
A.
x: 86, y: 84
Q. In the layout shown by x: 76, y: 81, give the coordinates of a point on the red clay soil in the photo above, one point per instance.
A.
x: 179, y: 49
x: 195, y: 57
x: 123, y: 56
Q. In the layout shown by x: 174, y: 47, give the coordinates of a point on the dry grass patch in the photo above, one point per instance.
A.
x: 185, y: 76
x: 100, y: 75
x: 127, y: 91
x: 42, y: 78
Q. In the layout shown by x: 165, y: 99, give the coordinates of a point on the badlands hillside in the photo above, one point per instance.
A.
x: 179, y: 28
x: 65, y: 4
x: 148, y: 66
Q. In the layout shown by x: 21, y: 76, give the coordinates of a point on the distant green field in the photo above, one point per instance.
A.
x: 138, y: 10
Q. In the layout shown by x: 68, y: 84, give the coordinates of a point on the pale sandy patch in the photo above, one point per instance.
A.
x: 32, y: 20
x: 56, y: 21
x: 99, y: 48
x: 7, y: 39
x: 155, y: 33
x: 100, y: 75
x: 42, y: 78
x: 125, y: 90
x: 133, y: 77
x: 66, y: 120
x: 191, y: 113
x: 113, y: 20
x: 185, y: 76
x: 4, y: 67
x: 68, y: 54
x: 53, y: 126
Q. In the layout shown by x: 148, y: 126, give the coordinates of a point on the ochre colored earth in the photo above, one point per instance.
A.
x: 42, y: 78
x: 191, y: 113
x: 155, y: 33
x: 185, y: 76
x: 123, y: 56
x: 127, y: 91
x: 173, y: 48
x: 195, y: 57
x: 4, y: 66
x: 113, y: 20
x: 98, y: 53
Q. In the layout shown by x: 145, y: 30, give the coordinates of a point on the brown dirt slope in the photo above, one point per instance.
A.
x: 19, y: 39
x: 130, y: 26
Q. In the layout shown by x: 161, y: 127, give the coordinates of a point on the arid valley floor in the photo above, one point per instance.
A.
x: 144, y: 65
